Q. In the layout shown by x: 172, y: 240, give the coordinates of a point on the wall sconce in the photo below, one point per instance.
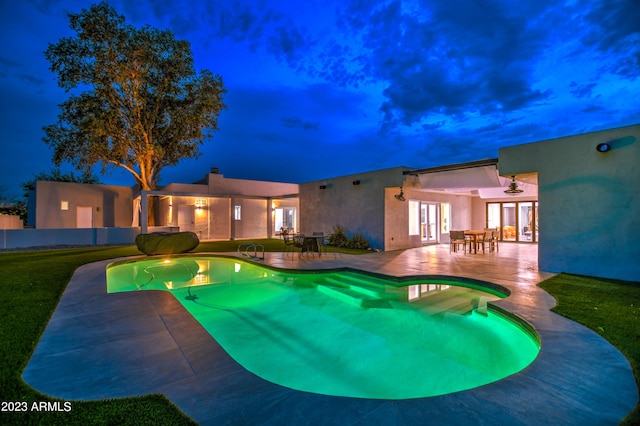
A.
x: 323, y: 186
x: 400, y: 196
x: 356, y: 182
x: 603, y: 147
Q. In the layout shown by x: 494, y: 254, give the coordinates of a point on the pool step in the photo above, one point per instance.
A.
x: 439, y: 304
x: 355, y: 296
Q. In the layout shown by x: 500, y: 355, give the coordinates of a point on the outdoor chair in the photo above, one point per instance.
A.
x: 289, y: 244
x: 485, y: 240
x: 495, y: 237
x: 300, y: 242
x: 457, y: 238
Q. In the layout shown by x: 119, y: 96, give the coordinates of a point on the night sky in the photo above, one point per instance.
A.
x: 327, y: 88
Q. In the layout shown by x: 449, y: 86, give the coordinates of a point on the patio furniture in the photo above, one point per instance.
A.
x: 456, y: 238
x: 473, y: 237
x: 289, y: 244
x: 304, y: 243
x: 495, y: 238
x: 484, y: 240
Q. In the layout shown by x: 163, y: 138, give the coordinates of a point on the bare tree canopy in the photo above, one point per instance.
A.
x: 136, y: 100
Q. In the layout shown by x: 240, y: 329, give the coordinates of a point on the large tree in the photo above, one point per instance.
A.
x: 135, y: 100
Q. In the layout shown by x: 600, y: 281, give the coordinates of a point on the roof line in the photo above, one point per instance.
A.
x: 459, y: 166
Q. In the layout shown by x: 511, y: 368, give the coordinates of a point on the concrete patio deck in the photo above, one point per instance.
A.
x: 100, y: 345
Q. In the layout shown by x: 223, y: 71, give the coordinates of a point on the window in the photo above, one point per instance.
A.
x: 445, y: 217
x: 237, y: 212
x: 414, y: 218
x: 284, y: 218
x: 518, y: 221
x: 64, y: 205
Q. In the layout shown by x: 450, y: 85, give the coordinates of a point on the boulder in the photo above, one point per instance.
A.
x: 167, y: 242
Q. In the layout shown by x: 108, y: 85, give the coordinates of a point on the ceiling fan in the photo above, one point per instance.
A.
x: 513, y: 187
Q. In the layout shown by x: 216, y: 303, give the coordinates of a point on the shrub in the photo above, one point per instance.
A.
x: 338, y: 238
x: 357, y: 242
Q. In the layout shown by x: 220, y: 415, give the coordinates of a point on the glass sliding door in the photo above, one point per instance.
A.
x: 525, y: 221
x: 509, y: 224
x: 493, y: 215
x: 535, y: 221
x: 518, y: 221
x: 429, y: 223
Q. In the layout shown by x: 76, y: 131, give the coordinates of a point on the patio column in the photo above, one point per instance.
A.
x: 232, y: 218
x: 269, y: 217
x: 144, y: 212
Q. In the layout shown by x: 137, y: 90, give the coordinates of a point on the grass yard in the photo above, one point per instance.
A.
x: 610, y: 308
x: 32, y: 282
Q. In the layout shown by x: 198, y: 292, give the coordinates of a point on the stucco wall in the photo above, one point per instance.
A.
x: 8, y: 221
x: 253, y: 221
x: 111, y: 206
x: 218, y: 184
x: 357, y: 208
x: 397, y: 216
x: 589, y: 201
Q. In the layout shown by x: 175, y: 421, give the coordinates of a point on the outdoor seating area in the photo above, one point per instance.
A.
x: 303, y: 244
x: 486, y: 239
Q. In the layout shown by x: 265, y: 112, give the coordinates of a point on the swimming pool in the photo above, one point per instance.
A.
x: 343, y: 333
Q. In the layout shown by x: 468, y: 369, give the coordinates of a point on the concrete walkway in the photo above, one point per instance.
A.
x: 100, y: 345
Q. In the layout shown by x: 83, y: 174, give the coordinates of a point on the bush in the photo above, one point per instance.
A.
x: 338, y: 238
x: 357, y: 242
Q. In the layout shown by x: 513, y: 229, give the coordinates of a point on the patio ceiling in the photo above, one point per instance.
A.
x: 478, y: 178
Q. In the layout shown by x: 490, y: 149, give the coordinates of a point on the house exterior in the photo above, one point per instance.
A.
x: 55, y: 205
x: 222, y: 208
x: 576, y: 199
x: 401, y: 208
x: 589, y: 200
x: 214, y: 208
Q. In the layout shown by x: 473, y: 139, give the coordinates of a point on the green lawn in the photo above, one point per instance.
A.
x: 610, y: 308
x: 33, y: 281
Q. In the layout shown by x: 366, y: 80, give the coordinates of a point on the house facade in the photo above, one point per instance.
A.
x: 402, y: 208
x: 577, y: 197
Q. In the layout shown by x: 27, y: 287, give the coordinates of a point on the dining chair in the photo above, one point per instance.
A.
x: 484, y: 240
x: 456, y: 238
x: 495, y: 238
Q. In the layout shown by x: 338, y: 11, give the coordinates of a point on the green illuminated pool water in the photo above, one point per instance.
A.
x: 341, y: 333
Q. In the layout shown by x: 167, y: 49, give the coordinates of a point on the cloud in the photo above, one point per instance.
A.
x: 615, y: 28
x: 449, y: 58
x: 582, y: 90
x: 297, y: 122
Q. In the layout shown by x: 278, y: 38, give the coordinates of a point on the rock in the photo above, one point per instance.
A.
x: 167, y: 242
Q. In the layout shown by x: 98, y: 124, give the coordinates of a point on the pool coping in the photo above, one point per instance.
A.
x: 99, y: 346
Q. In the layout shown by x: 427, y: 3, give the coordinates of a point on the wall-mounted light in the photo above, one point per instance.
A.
x: 323, y: 186
x: 400, y: 196
x: 603, y: 147
x: 356, y: 182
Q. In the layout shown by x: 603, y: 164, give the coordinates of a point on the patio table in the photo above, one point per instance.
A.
x: 473, y: 233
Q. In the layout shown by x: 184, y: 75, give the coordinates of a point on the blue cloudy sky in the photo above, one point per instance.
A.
x: 326, y: 88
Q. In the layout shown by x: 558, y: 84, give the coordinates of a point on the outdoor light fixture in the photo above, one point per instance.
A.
x: 400, y: 196
x: 356, y: 182
x: 603, y: 147
x: 513, y: 187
